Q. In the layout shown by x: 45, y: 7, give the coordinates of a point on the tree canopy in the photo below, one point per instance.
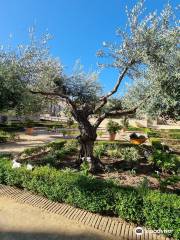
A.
x: 146, y: 50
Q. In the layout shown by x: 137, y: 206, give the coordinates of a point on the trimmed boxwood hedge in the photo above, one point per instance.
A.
x: 150, y: 208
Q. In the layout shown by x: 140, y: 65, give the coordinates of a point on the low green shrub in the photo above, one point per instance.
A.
x: 130, y: 154
x: 14, y: 127
x: 56, y: 145
x: 164, y: 182
x: 161, y: 211
x: 6, y: 136
x: 99, y: 150
x: 85, y: 168
x: 174, y: 135
x: 71, y: 146
x: 138, y: 129
x: 34, y: 150
x: 114, y: 153
x: 153, y: 133
x: 49, y: 159
x: 129, y: 205
x: 157, y: 144
x: 164, y: 160
x: 151, y: 208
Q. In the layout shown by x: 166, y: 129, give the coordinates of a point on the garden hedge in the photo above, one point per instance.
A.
x: 150, y: 208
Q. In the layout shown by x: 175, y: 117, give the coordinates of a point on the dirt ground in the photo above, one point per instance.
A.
x: 24, y: 222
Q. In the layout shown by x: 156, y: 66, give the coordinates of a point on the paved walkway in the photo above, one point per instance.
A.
x: 24, y: 222
x: 38, y: 138
x: 28, y: 141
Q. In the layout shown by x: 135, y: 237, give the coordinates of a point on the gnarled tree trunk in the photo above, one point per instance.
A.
x: 86, y: 140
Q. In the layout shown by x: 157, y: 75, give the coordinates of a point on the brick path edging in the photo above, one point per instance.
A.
x: 113, y: 226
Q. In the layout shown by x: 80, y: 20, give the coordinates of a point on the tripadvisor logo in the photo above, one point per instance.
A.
x: 139, y: 231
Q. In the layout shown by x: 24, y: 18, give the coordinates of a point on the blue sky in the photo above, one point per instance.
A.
x: 79, y: 27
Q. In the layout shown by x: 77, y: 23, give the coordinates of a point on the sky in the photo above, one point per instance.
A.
x: 79, y: 28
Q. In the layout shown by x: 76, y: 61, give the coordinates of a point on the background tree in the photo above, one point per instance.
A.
x: 143, y: 45
x: 163, y: 87
x: 13, y: 92
x: 10, y: 88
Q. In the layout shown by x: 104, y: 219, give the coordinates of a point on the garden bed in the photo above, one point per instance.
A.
x: 139, y: 205
x: 125, y: 163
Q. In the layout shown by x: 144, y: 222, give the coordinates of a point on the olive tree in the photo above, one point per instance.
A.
x: 162, y: 85
x: 142, y: 45
x: 13, y: 92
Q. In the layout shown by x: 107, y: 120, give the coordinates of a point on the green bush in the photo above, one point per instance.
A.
x: 157, y: 144
x: 161, y: 211
x: 138, y: 129
x: 129, y: 205
x: 174, y: 135
x: 99, y: 150
x: 164, y: 160
x: 130, y: 154
x: 151, y: 208
x: 14, y: 127
x: 49, y: 159
x: 56, y: 145
x: 5, y: 136
x: 154, y: 134
x: 113, y: 127
x: 164, y: 182
x: 114, y: 153
x: 34, y: 150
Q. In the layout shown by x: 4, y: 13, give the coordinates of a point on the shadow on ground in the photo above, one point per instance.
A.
x: 46, y: 236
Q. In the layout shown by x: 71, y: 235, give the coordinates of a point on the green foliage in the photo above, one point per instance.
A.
x: 125, y: 122
x: 157, y: 144
x: 174, y: 135
x: 151, y: 208
x: 13, y: 127
x: 34, y: 150
x: 130, y: 154
x: 143, y: 186
x: 164, y: 160
x: 113, y: 127
x: 161, y: 211
x: 114, y: 153
x: 126, y: 152
x: 29, y: 123
x: 5, y: 136
x: 56, y: 145
x: 49, y: 159
x: 100, y: 133
x: 71, y: 146
x: 85, y: 168
x: 70, y: 122
x: 10, y: 87
x: 129, y: 205
x: 64, y: 132
x: 164, y: 182
x: 155, y: 134
x: 138, y: 129
x: 99, y: 150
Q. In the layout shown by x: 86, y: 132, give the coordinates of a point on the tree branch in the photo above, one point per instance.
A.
x: 63, y: 96
x: 114, y: 113
x: 117, y: 113
x: 114, y: 90
x: 48, y: 94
